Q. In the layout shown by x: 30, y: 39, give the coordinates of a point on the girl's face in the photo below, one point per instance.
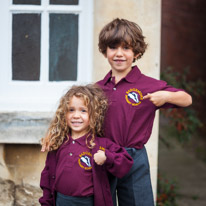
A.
x: 77, y: 117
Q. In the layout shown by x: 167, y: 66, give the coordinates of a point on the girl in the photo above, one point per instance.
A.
x: 78, y: 160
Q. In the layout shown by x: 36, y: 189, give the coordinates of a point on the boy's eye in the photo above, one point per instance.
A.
x: 112, y: 47
x: 126, y: 47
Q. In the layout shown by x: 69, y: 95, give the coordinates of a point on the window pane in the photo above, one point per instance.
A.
x: 34, y: 2
x: 63, y: 42
x: 26, y: 46
x: 65, y: 2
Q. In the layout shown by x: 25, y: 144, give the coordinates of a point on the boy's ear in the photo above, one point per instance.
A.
x: 105, y: 54
x: 136, y: 56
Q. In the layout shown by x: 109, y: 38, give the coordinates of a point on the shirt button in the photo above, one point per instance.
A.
x: 73, y: 142
x: 114, y: 88
x: 70, y: 154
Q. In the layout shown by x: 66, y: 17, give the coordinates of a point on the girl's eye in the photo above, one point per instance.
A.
x: 84, y: 110
x: 71, y: 109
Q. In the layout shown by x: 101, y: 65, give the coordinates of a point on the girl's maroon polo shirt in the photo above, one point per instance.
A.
x: 74, y: 169
x: 129, y: 119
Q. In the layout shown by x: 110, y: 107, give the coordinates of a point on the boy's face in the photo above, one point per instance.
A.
x: 120, y: 58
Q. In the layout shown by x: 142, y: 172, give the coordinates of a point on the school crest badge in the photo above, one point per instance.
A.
x: 85, y: 160
x: 134, y: 97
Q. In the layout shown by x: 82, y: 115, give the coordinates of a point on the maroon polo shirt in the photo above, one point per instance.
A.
x: 74, y: 170
x: 129, y: 119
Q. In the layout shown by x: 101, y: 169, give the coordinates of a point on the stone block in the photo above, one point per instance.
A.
x: 27, y: 195
x: 7, y: 190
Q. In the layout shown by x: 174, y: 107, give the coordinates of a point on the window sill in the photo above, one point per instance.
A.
x: 23, y: 127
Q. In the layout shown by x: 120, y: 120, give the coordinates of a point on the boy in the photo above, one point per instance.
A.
x: 134, y: 98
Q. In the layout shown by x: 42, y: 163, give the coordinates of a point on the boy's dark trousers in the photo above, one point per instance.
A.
x: 135, y: 188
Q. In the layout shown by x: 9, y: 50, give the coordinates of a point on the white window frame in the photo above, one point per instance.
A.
x: 42, y: 95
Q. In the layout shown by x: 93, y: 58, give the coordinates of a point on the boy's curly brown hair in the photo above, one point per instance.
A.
x: 122, y: 31
x: 94, y: 100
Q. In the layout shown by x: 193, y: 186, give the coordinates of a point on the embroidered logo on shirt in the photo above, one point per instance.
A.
x: 134, y: 97
x: 85, y: 160
x: 101, y: 148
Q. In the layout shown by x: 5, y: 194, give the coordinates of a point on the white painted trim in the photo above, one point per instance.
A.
x: 39, y: 9
x: 86, y: 58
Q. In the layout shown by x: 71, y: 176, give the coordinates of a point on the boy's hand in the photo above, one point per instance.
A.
x: 157, y: 98
x: 100, y: 157
x: 179, y: 98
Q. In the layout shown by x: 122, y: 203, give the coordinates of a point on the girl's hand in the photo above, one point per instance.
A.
x: 100, y: 157
x: 45, y: 148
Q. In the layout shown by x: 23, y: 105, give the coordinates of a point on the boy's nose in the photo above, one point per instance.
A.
x: 119, y: 51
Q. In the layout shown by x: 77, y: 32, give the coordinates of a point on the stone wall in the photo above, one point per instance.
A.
x: 21, y: 161
x: 18, y: 195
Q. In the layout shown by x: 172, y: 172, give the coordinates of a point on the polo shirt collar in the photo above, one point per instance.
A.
x: 131, y: 77
x: 107, y: 77
x: 81, y: 140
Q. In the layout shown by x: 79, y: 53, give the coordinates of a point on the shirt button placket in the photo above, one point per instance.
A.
x: 114, y: 93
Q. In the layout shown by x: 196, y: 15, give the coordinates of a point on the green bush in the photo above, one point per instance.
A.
x: 183, y: 122
x: 166, y: 191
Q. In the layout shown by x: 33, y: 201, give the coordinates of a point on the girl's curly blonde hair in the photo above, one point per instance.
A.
x: 95, y: 101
